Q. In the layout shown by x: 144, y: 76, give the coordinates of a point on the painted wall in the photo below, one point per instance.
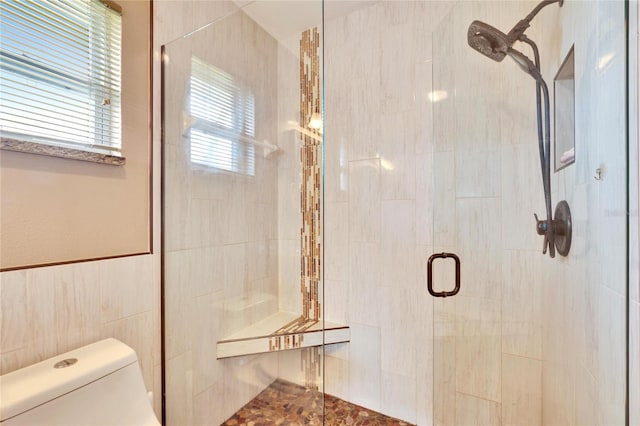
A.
x: 56, y: 210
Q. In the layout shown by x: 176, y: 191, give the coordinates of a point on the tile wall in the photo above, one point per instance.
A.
x: 488, y: 339
x: 289, y: 180
x: 221, y: 250
x: 535, y: 340
x: 583, y: 308
x: 51, y: 310
x: 379, y: 159
x: 232, y: 242
x: 378, y: 214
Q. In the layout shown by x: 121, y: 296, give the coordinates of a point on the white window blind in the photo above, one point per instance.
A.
x: 223, y: 120
x: 60, y: 64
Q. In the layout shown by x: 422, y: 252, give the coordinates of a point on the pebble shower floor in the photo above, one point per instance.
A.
x: 285, y: 403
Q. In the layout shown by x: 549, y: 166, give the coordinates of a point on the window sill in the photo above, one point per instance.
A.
x: 16, y: 145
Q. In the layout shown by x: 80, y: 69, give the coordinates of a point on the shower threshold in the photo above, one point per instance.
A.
x: 279, y: 332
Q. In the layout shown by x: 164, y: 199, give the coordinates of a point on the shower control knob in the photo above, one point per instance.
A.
x: 558, y: 237
x: 541, y: 225
x: 542, y: 228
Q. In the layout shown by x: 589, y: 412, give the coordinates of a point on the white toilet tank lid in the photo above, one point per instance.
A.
x: 24, y: 389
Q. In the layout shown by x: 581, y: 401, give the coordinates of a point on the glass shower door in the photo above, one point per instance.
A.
x: 242, y: 291
x: 529, y: 339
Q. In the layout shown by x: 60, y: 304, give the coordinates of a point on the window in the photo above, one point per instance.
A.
x: 60, y: 62
x: 222, y: 116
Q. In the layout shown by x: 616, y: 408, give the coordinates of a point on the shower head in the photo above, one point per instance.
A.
x: 495, y: 44
x: 488, y: 40
x: 525, y: 64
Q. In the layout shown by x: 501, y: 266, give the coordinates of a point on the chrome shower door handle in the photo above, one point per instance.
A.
x: 432, y: 258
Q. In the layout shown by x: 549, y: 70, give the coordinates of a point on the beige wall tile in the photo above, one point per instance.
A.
x: 478, y: 173
x: 177, y: 18
x: 521, y: 169
x: 478, y: 244
x: 521, y: 391
x: 336, y: 301
x: 289, y: 275
x: 62, y: 309
x: 77, y: 305
x: 478, y: 346
x: 425, y: 372
x: 336, y: 240
x: 364, y: 201
x: 398, y: 243
x: 364, y: 370
x: 13, y: 313
x: 397, y: 315
x: 244, y: 378
x: 472, y: 411
x: 424, y: 105
x: 521, y: 304
x: 444, y: 201
x: 179, y: 389
x: 364, y: 283
x: 587, y: 406
x: 134, y: 332
x: 444, y: 380
x: 206, y: 406
x: 611, y: 356
x: 126, y: 286
x: 424, y: 199
x: 399, y: 396
x: 558, y: 394
x: 206, y: 332
x: 336, y: 381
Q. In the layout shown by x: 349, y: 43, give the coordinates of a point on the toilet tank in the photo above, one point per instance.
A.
x: 98, y: 384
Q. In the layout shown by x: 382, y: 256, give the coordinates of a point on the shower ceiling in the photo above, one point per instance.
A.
x: 286, y: 20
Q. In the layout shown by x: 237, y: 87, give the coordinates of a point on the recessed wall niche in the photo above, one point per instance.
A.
x: 564, y: 95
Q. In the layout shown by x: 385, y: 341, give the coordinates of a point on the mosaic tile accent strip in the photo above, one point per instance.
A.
x: 285, y: 403
x: 310, y: 187
x: 291, y: 335
x: 298, y: 325
x: 289, y: 341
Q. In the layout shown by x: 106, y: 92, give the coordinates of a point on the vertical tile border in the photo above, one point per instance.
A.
x: 310, y: 186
